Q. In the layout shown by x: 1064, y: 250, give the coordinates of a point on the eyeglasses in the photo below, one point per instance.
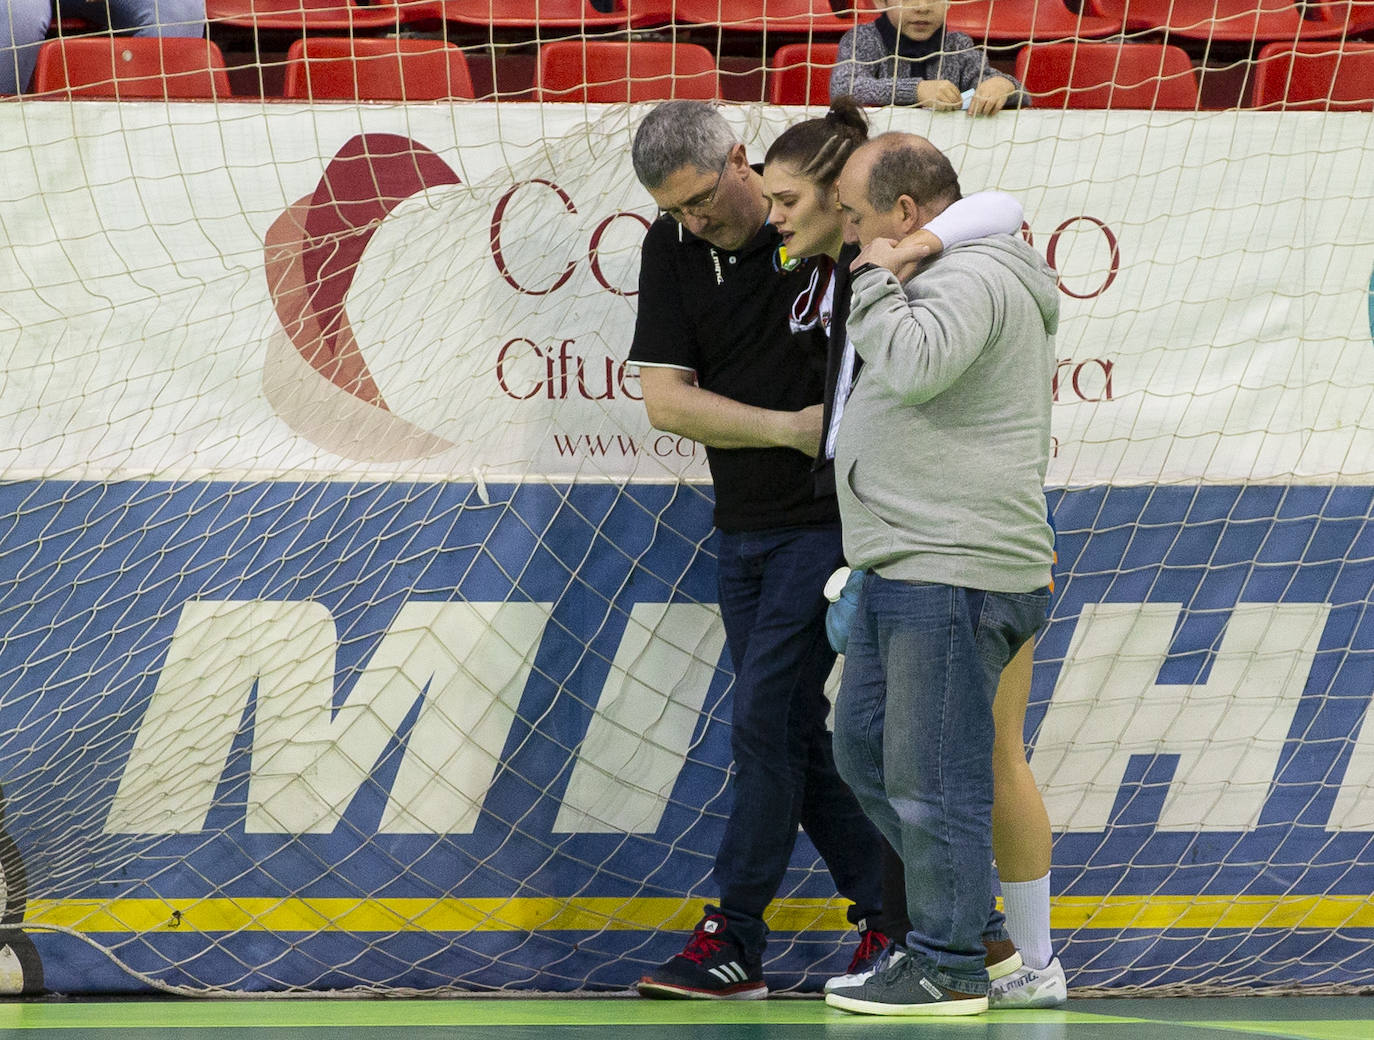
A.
x: 701, y: 205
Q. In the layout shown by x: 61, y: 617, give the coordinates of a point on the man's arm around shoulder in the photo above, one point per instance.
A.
x: 675, y: 404
x: 918, y: 349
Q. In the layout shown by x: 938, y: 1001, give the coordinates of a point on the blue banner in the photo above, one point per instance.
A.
x: 100, y: 578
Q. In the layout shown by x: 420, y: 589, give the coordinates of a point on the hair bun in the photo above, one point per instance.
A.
x: 845, y: 110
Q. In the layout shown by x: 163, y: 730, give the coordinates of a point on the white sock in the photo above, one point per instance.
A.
x: 1027, y: 906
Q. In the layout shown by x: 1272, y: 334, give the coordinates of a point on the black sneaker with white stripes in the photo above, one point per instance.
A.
x: 712, y: 967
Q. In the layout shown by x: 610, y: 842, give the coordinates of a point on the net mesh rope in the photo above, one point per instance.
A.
x: 359, y: 633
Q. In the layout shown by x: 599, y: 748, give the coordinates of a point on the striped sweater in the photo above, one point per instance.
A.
x: 874, y: 75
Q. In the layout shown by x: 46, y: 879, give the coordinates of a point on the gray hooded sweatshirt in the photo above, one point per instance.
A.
x: 944, y: 442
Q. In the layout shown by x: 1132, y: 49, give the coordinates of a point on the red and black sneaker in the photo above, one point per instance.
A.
x: 712, y: 967
x: 873, y: 953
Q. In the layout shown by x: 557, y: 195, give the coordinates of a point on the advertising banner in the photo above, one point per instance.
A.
x: 359, y: 631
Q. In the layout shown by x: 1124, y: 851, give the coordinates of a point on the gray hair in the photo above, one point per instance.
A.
x: 910, y: 165
x: 677, y: 134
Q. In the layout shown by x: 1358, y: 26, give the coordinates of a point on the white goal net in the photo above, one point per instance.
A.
x: 357, y: 631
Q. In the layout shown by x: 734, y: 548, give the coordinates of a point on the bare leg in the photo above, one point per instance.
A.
x: 1020, y: 825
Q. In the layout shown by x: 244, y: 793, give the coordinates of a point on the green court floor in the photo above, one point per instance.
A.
x: 1302, y: 1018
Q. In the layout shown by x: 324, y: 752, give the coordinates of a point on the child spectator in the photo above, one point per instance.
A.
x: 908, y: 57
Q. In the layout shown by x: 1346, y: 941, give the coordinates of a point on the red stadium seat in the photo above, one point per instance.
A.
x: 1019, y: 20
x: 302, y: 15
x: 611, y: 71
x: 127, y: 67
x: 813, y: 17
x: 800, y: 74
x: 1331, y: 19
x: 543, y: 14
x: 1108, y: 75
x: 1238, y: 20
x: 375, y: 69
x: 1315, y: 76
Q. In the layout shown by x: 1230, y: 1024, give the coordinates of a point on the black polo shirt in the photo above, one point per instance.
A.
x: 723, y: 315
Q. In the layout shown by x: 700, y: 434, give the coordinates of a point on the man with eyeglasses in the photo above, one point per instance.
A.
x: 718, y: 363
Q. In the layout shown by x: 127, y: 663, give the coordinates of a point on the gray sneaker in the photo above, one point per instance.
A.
x: 905, y: 988
x: 1030, y: 987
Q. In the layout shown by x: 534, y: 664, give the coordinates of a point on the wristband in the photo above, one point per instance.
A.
x: 865, y: 268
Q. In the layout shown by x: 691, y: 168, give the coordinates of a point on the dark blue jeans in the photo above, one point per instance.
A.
x: 913, y: 736
x: 774, y: 612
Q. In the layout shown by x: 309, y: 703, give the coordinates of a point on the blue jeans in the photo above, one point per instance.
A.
x: 771, y: 601
x: 26, y: 22
x: 913, y: 736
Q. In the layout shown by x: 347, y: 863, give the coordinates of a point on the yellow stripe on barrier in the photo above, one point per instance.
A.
x: 224, y: 914
x: 1214, y: 911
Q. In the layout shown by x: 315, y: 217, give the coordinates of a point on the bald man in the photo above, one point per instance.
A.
x: 940, y: 466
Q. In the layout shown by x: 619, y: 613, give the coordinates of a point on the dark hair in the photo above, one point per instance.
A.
x: 908, y: 165
x: 820, y: 147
